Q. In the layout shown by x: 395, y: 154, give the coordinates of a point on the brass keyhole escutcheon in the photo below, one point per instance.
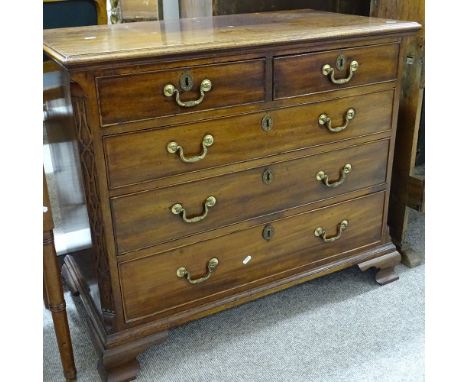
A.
x: 267, y: 176
x: 267, y: 123
x: 186, y: 82
x: 268, y: 232
x: 340, y: 62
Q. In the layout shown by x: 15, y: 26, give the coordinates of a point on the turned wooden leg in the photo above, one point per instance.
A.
x: 44, y: 294
x: 119, y: 364
x: 53, y: 291
x: 385, y: 267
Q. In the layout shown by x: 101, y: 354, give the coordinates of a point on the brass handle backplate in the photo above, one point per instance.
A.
x: 178, y: 209
x: 329, y: 72
x: 323, y: 177
x: 320, y: 232
x: 182, y: 272
x: 170, y: 90
x: 173, y: 147
x: 325, y: 120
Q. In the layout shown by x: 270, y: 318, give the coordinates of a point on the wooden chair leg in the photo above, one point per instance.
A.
x: 56, y: 305
x: 53, y: 294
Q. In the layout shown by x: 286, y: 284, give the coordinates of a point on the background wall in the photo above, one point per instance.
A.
x: 358, y: 7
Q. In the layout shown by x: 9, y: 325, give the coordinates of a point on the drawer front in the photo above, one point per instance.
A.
x: 142, y: 96
x: 146, y: 219
x: 139, y: 157
x: 303, y: 74
x: 151, y: 285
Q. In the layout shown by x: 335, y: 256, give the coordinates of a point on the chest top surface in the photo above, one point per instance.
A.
x: 109, y: 43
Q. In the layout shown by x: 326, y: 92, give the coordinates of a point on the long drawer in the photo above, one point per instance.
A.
x: 160, y: 283
x: 144, y: 156
x: 332, y: 70
x: 145, y: 95
x: 145, y: 219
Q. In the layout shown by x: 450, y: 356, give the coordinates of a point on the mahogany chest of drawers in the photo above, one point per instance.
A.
x: 224, y: 159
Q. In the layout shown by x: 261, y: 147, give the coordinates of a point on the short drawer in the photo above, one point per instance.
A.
x: 148, y: 95
x: 148, y: 218
x: 145, y: 156
x: 159, y: 284
x: 324, y: 71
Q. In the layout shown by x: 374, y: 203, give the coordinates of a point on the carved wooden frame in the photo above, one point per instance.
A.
x: 89, y: 173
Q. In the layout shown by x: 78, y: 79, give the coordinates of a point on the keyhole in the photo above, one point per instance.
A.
x: 340, y: 62
x: 268, y: 232
x: 186, y: 82
x: 267, y: 123
x: 267, y: 176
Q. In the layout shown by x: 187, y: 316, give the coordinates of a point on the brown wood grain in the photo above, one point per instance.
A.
x: 139, y: 244
x: 106, y: 44
x: 140, y: 157
x: 225, y: 112
x: 302, y: 74
x: 151, y: 285
x: 141, y: 96
x: 145, y: 219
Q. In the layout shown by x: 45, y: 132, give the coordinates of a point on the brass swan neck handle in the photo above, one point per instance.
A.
x: 329, y: 72
x: 323, y: 177
x: 325, y: 120
x: 322, y: 233
x: 173, y: 147
x: 182, y: 272
x: 178, y: 209
x: 205, y: 87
